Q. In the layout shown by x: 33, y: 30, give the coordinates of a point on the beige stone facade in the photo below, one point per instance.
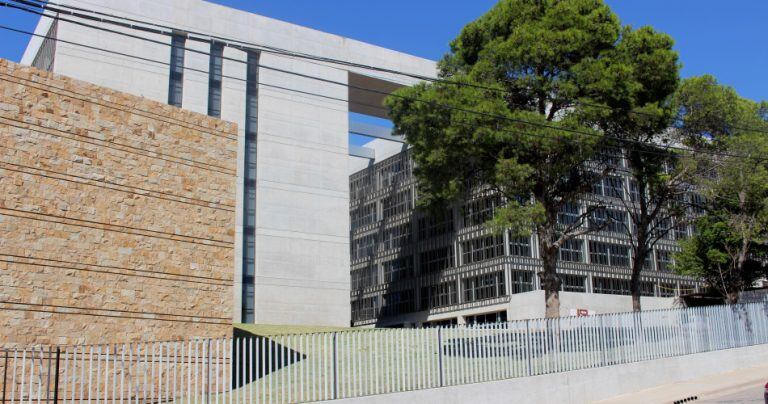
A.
x: 117, y: 215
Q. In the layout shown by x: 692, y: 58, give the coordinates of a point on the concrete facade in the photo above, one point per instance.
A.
x: 107, y: 234
x: 409, y: 268
x: 298, y: 234
x: 583, y: 386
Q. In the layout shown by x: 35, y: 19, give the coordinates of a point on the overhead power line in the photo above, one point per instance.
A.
x: 169, y: 30
x: 344, y: 84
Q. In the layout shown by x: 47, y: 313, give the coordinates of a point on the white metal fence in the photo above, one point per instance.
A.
x: 310, y: 367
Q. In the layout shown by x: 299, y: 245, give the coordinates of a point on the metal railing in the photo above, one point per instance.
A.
x: 311, y: 367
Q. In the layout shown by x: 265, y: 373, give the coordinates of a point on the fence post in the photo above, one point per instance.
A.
x: 335, y: 368
x: 528, y: 346
x: 603, y: 342
x: 5, y: 374
x: 439, y: 353
x: 55, y: 378
x: 208, y: 373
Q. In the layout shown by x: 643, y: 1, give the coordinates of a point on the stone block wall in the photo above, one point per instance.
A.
x: 117, y: 215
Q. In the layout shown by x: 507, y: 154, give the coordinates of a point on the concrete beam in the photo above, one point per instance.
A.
x: 379, y: 132
x: 362, y: 152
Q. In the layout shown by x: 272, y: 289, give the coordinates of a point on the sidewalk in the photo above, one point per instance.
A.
x: 705, y: 388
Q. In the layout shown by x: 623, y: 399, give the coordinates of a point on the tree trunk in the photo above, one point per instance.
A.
x: 550, y: 282
x: 732, y: 297
x: 637, y: 265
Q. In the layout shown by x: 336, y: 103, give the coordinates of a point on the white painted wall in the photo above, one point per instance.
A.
x: 302, y: 223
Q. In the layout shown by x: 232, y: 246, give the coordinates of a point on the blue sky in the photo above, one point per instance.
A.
x: 724, y: 38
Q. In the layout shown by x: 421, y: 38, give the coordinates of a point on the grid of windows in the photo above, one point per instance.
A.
x: 522, y: 281
x: 479, y: 211
x: 611, y: 286
x: 396, y: 204
x: 634, y: 191
x: 610, y: 186
x: 667, y: 289
x: 436, y: 260
x: 365, y: 277
x: 571, y: 250
x: 664, y: 261
x: 441, y: 295
x: 398, y: 269
x: 395, y: 171
x: 482, y: 248
x: 520, y: 246
x: 569, y: 214
x: 364, y: 215
x: 400, y: 302
x: 488, y: 318
x: 360, y: 186
x: 363, y: 247
x: 365, y: 309
x: 574, y: 283
x: 613, y: 220
x: 397, y: 237
x: 608, y: 254
x: 436, y: 225
x: 176, y: 76
x: 215, y: 71
x: 483, y: 287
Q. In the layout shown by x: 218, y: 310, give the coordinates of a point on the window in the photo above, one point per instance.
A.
x: 397, y: 237
x: 441, y: 295
x: 634, y: 191
x: 608, y: 254
x: 360, y: 185
x: 667, y: 289
x: 395, y: 170
x: 574, y: 283
x: 598, y: 253
x: 614, y: 187
x: 681, y: 232
x: 568, y: 214
x: 647, y: 288
x: 698, y: 204
x: 520, y: 246
x: 214, y: 78
x: 176, y: 76
x: 436, y: 225
x: 364, y: 215
x: 611, y: 186
x: 612, y: 220
x: 483, y: 287
x: 365, y: 277
x: 436, y: 260
x: 611, y: 286
x: 571, y: 251
x: 363, y: 247
x: 612, y: 157
x: 488, y: 318
x: 398, y: 303
x: 522, y: 281
x: 365, y: 309
x: 398, y: 269
x: 482, y: 248
x: 481, y: 210
x: 396, y: 204
x: 664, y: 261
x: 46, y: 54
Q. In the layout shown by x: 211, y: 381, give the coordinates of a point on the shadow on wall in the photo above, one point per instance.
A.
x: 253, y: 349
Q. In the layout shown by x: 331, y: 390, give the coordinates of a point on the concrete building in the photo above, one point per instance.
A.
x: 410, y: 268
x: 291, y: 262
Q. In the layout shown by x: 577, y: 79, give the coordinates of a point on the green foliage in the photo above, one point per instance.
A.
x: 732, y: 239
x: 525, y: 59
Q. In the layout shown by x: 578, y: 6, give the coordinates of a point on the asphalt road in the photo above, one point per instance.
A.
x: 750, y: 394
